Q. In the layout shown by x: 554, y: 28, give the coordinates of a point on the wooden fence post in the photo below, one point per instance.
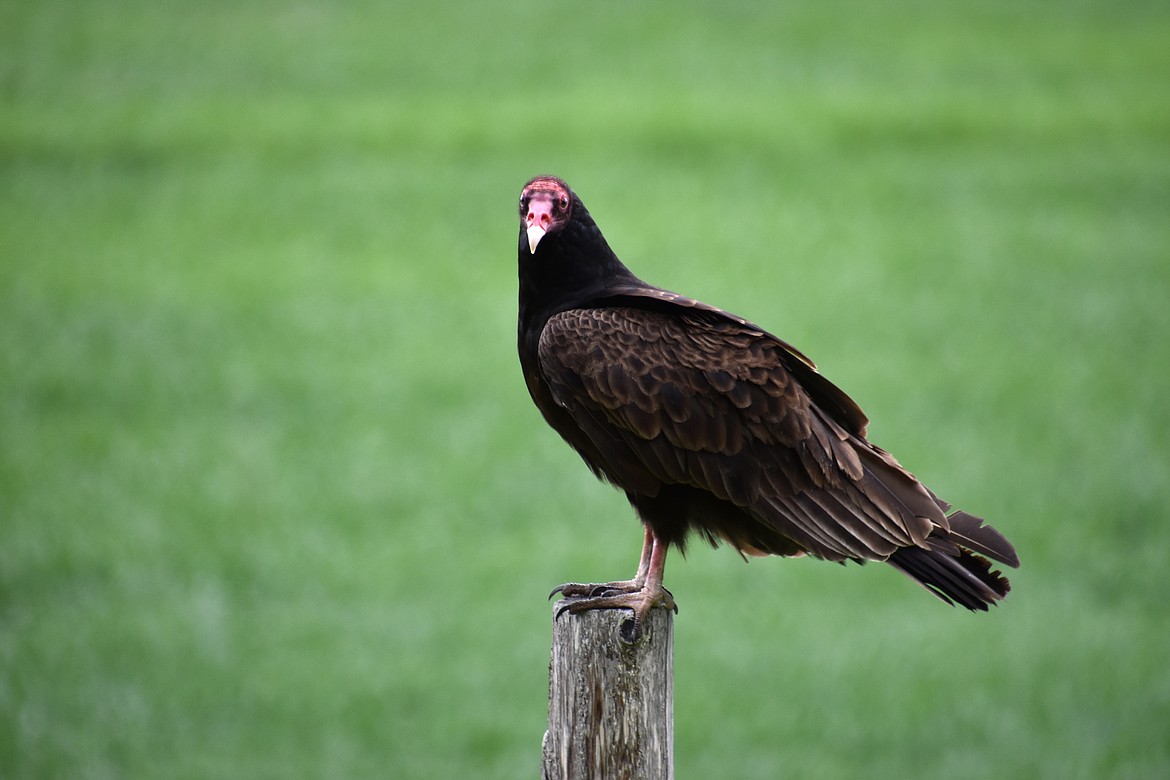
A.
x: 610, y: 704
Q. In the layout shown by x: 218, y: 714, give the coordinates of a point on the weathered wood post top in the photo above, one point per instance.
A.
x: 610, y: 703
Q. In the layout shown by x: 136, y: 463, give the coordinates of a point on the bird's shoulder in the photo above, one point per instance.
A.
x: 650, y: 339
x: 656, y: 349
x: 706, y: 382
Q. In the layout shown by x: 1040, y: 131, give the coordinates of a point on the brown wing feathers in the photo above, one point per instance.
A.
x: 717, y: 409
x: 713, y: 406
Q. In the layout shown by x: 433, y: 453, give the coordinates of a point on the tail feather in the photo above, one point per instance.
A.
x: 965, y: 579
x: 969, y: 531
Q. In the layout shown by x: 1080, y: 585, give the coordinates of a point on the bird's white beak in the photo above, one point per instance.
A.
x: 535, y: 233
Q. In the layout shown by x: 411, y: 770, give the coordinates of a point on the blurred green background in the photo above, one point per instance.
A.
x: 273, y: 499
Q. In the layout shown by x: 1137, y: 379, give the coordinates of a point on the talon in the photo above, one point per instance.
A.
x: 630, y: 631
x: 596, y: 589
x: 668, y: 601
x: 639, y: 602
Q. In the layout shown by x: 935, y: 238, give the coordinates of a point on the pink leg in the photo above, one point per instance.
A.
x: 639, y: 595
x: 572, y: 589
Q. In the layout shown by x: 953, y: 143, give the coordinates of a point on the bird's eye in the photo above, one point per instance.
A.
x: 563, y: 202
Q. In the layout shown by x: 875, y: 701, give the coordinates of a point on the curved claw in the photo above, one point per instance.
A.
x: 630, y: 630
x: 595, y: 589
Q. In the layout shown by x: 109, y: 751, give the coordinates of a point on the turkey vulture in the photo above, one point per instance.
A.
x: 711, y: 424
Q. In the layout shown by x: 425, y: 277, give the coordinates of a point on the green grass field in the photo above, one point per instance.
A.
x: 274, y: 502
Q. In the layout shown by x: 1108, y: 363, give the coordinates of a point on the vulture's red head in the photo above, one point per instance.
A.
x: 546, y: 206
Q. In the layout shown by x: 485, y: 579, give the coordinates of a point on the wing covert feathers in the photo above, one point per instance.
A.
x: 667, y: 398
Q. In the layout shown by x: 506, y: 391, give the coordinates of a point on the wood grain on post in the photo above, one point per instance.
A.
x: 610, y: 704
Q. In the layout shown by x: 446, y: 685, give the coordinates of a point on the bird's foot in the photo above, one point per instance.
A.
x: 638, y: 600
x: 595, y: 589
